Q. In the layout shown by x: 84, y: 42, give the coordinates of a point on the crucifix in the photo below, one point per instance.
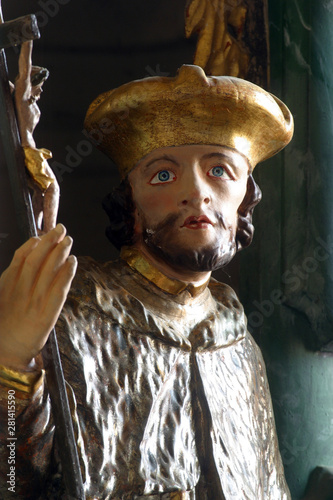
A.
x: 14, y: 33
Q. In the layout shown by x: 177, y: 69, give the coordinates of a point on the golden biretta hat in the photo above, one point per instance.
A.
x: 131, y: 121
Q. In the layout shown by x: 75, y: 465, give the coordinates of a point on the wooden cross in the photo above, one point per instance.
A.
x: 15, y: 33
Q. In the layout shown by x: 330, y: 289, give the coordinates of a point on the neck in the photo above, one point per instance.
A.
x: 184, y: 275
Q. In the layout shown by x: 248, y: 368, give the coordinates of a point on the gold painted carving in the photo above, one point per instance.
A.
x: 137, y: 261
x: 26, y: 382
x: 36, y: 163
x: 220, y: 24
x: 190, y: 108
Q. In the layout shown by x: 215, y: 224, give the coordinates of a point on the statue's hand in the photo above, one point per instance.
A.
x: 33, y: 290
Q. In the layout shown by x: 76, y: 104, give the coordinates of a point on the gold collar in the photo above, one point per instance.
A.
x: 137, y: 261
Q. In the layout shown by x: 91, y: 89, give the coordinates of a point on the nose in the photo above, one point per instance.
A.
x: 195, y: 189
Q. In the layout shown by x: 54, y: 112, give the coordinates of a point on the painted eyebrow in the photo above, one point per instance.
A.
x: 163, y: 157
x: 219, y: 156
x: 226, y: 158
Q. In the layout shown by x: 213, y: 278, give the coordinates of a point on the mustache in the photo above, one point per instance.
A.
x: 176, y: 219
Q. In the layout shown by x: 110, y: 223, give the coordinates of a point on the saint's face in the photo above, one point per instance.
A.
x: 186, y: 200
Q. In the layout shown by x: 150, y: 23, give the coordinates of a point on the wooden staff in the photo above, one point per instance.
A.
x: 15, y: 33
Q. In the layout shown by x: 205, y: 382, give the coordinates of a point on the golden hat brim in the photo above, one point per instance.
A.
x: 135, y: 119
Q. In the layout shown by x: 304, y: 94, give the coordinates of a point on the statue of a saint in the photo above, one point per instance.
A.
x: 167, y: 387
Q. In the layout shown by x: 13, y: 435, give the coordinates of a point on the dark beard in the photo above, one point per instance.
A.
x: 163, y: 245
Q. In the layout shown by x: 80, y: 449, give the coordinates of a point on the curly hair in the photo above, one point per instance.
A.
x: 245, y: 228
x: 119, y: 206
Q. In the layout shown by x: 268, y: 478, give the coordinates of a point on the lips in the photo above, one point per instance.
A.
x: 200, y: 222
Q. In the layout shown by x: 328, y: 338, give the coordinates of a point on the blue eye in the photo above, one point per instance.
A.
x: 217, y: 171
x: 163, y: 177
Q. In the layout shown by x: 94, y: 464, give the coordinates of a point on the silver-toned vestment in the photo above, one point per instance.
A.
x: 171, y: 394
